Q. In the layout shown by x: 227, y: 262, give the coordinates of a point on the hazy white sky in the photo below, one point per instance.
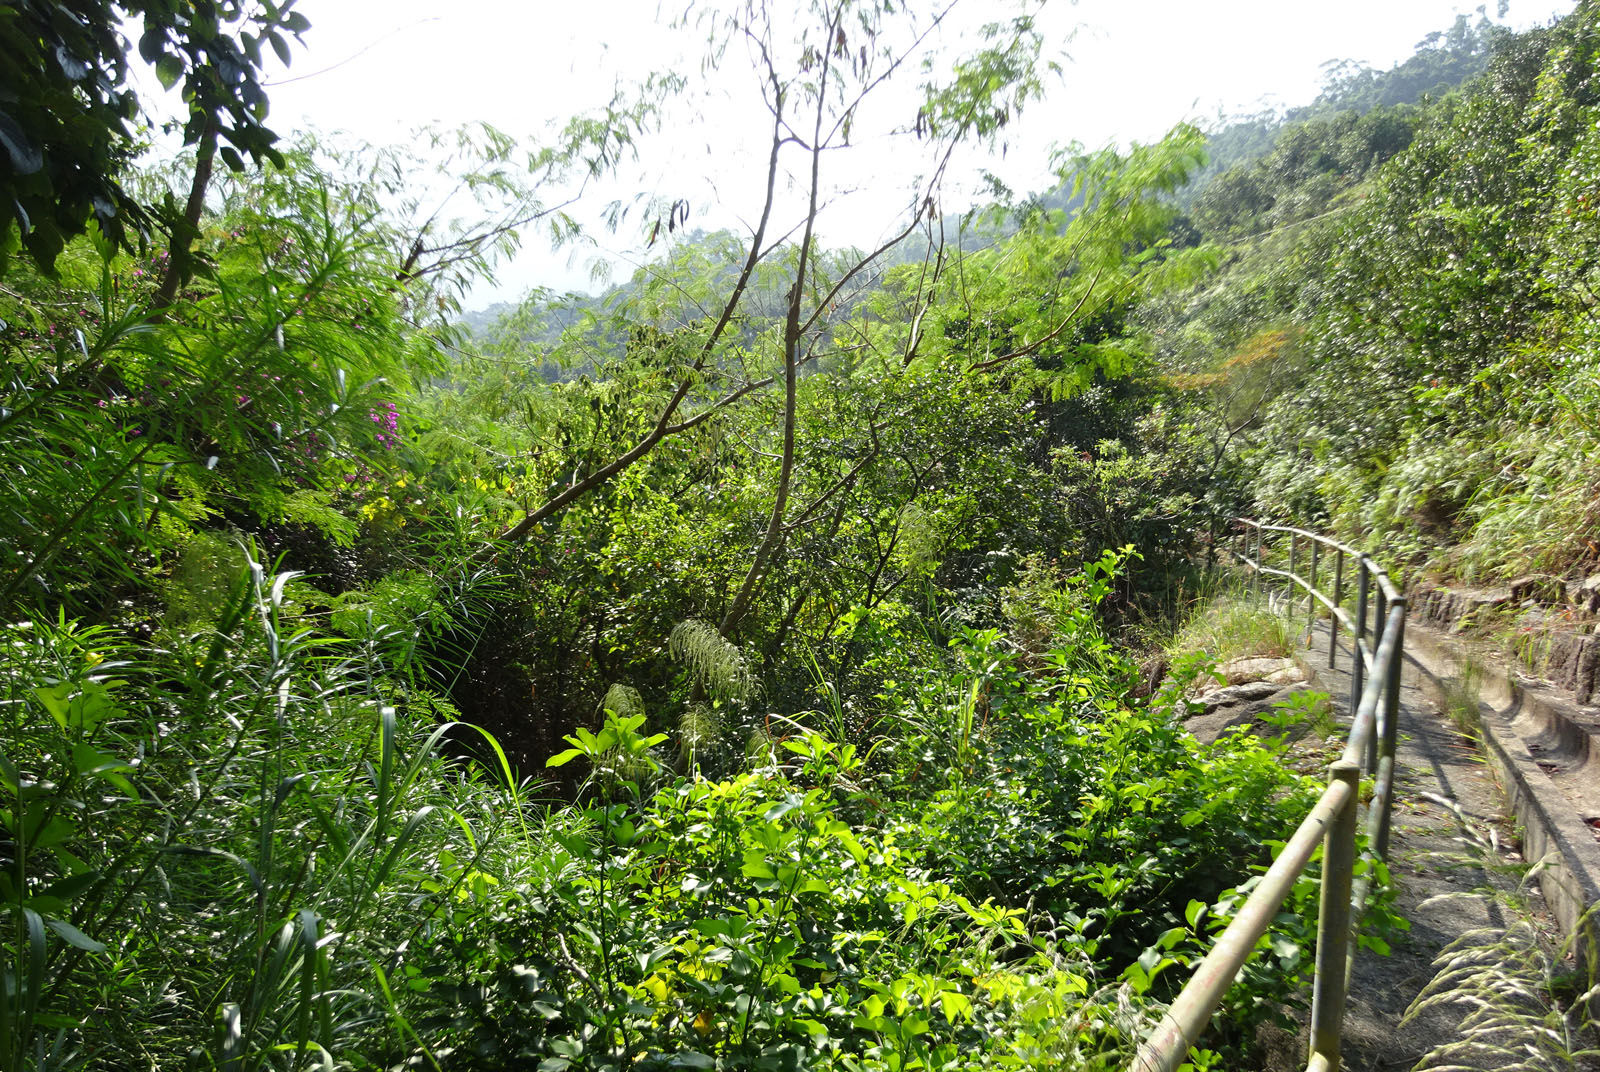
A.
x: 380, y: 68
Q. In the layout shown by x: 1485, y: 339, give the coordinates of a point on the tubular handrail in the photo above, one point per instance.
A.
x: 1333, y: 608
x: 1393, y: 591
x: 1370, y: 749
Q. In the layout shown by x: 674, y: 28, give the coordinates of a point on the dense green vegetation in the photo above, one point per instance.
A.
x: 1402, y: 342
x: 740, y: 669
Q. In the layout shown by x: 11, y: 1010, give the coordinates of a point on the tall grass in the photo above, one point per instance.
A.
x: 1232, y: 626
x: 1462, y: 697
x: 219, y: 853
x: 1526, y: 1001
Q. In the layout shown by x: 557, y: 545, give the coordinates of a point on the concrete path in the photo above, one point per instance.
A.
x: 1455, y: 867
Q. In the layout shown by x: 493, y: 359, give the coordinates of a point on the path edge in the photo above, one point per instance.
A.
x: 1556, y: 838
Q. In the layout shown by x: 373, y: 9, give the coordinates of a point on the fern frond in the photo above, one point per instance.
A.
x: 717, y: 664
x: 623, y: 701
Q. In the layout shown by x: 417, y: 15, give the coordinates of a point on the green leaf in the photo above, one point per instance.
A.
x: 82, y: 709
x: 955, y: 1004
x: 780, y: 809
x: 74, y: 936
x: 851, y: 845
x: 54, y: 698
x: 71, y: 886
x: 169, y: 69
x: 59, y: 829
x: 1171, y: 937
x: 280, y: 46
x: 89, y: 762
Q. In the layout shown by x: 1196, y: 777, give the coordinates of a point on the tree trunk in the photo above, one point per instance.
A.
x: 185, y: 231
x: 780, y: 503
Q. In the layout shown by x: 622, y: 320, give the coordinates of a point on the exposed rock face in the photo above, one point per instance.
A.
x: 1585, y: 594
x: 1254, y: 684
x: 1572, y: 664
x: 1252, y: 668
x: 1538, y: 588
x: 1456, y: 608
x: 1558, y: 617
x: 1244, y: 692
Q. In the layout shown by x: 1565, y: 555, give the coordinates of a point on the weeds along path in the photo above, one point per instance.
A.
x: 1456, y: 871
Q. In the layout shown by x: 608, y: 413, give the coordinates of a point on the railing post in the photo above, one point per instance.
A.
x: 1311, y: 597
x: 1359, y: 640
x: 1333, y: 924
x: 1294, y: 547
x: 1380, y: 628
x: 1358, y: 672
x: 1391, y: 718
x: 1255, y: 582
x: 1338, y: 601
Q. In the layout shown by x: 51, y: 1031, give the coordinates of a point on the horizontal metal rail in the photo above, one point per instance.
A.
x: 1334, y: 610
x: 1369, y: 749
x: 1187, y: 1016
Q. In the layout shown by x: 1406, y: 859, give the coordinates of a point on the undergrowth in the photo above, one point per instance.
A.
x: 249, y: 851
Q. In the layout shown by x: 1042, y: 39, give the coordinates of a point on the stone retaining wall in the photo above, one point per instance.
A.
x: 1555, y: 624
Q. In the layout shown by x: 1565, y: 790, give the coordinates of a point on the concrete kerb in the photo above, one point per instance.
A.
x: 1556, y: 836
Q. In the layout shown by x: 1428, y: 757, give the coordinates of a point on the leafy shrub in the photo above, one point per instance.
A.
x: 1005, y: 872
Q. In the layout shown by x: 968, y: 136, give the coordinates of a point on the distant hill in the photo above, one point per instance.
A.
x: 1443, y: 60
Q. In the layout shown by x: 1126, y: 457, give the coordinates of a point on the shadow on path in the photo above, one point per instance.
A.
x: 1451, y: 842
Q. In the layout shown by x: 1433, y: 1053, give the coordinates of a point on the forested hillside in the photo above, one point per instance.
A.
x: 745, y: 668
x: 1401, y: 341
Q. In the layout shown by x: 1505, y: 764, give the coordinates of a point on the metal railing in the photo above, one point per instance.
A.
x: 1375, y: 698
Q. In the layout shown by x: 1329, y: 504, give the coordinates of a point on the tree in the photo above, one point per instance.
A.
x: 816, y: 85
x: 66, y: 106
x: 123, y: 434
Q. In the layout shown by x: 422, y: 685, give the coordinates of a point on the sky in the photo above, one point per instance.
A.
x: 379, y: 69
